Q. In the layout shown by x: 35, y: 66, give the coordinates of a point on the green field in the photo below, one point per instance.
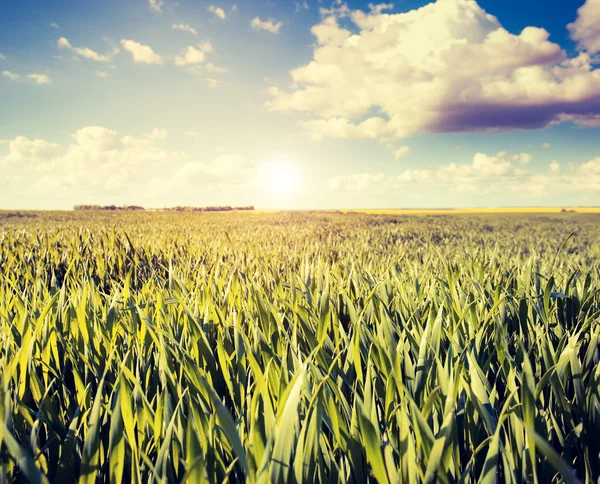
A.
x: 299, y: 347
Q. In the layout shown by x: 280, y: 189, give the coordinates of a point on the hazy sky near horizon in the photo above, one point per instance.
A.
x: 300, y: 104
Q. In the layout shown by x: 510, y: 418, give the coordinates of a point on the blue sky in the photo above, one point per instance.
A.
x: 316, y: 104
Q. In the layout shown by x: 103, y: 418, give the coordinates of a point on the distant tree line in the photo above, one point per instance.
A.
x: 174, y: 209
x: 107, y: 207
x: 208, y: 209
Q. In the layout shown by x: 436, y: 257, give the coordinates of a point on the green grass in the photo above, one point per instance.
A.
x: 143, y: 347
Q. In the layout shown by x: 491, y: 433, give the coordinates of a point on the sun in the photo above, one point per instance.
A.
x: 281, y: 179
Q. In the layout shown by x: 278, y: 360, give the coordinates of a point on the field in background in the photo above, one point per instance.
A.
x: 299, y: 347
x: 523, y: 210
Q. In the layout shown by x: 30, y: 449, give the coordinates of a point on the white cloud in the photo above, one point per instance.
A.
x: 586, y: 28
x: 63, y: 43
x: 157, y: 134
x: 156, y: 5
x: 273, y: 91
x: 301, y: 5
x: 39, y: 78
x: 338, y: 8
x: 401, y: 152
x: 483, y: 166
x: 11, y: 75
x: 103, y: 166
x: 212, y: 83
x: 205, y: 46
x: 379, y: 8
x: 342, y: 128
x: 587, y: 175
x: 98, y: 158
x: 218, y: 11
x: 266, y: 25
x: 485, y: 174
x: 194, y: 55
x: 523, y: 158
x: 410, y: 69
x: 546, y: 145
x: 2, y: 56
x: 103, y: 75
x: 462, y: 177
x: 142, y: 54
x: 25, y: 150
x: 210, y: 67
x: 185, y: 28
x: 586, y: 120
x: 54, y: 25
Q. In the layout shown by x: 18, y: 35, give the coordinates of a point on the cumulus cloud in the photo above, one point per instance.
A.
x: 142, y: 54
x: 266, y: 25
x: 272, y: 91
x: 342, y: 128
x: 210, y: 67
x: 193, y: 55
x: 586, y: 28
x: 98, y: 157
x: 156, y: 5
x: 185, y: 28
x: 39, y: 78
x: 63, y: 43
x: 446, y: 67
x: 101, y: 165
x: 157, y: 134
x: 25, y: 150
x: 11, y: 75
x: 587, y: 175
x: 485, y: 174
x: 401, y: 152
x: 218, y: 11
x: 523, y: 158
x: 585, y: 120
x: 205, y: 46
x: 2, y: 56
x: 378, y: 8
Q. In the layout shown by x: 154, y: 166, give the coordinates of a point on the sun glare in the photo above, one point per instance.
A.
x: 281, y: 179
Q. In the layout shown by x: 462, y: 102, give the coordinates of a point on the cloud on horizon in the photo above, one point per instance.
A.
x: 485, y: 174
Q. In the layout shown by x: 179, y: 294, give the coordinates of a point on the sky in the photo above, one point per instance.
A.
x: 310, y: 104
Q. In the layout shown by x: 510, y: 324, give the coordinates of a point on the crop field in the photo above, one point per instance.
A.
x: 299, y: 347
